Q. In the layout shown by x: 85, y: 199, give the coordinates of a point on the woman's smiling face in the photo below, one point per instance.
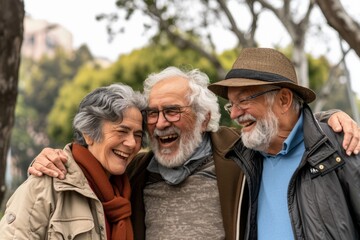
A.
x: 120, y: 142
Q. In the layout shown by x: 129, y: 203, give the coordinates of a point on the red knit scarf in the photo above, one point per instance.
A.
x: 114, y: 193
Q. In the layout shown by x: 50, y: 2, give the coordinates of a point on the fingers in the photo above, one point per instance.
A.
x: 33, y: 171
x: 357, y: 137
x: 351, y: 142
x: 50, y: 162
x: 335, y: 123
x: 49, y: 170
x: 58, y: 160
x: 340, y: 121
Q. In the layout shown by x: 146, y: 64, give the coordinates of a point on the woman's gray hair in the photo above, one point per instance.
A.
x: 104, y: 104
x: 202, y: 100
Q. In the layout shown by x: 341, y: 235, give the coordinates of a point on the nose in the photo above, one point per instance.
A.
x: 130, y: 141
x: 236, y: 112
x: 162, y: 122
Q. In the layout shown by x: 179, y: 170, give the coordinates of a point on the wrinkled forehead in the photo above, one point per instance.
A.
x: 169, y: 91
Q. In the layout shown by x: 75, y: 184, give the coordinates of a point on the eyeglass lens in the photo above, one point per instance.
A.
x: 241, y: 103
x: 171, y: 114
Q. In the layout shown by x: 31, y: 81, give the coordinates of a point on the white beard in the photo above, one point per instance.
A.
x: 265, y: 130
x: 189, y: 141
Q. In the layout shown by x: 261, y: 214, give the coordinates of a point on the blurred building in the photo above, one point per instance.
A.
x: 42, y: 38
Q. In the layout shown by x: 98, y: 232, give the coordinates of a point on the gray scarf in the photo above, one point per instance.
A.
x: 174, y: 176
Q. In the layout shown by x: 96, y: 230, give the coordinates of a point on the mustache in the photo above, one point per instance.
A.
x: 246, y: 117
x: 167, y: 131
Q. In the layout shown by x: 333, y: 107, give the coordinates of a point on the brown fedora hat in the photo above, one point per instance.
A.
x: 262, y: 66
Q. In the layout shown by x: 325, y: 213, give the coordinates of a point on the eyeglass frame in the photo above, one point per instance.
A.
x: 176, y: 109
x: 229, y: 106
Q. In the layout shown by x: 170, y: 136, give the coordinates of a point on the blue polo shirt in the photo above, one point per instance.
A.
x: 273, y: 218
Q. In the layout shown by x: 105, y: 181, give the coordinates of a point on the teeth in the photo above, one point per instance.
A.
x: 121, y: 154
x: 168, y: 136
x: 246, y: 124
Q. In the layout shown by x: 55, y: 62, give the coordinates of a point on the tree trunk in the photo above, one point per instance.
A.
x: 11, y: 36
x: 338, y: 18
x: 301, y: 65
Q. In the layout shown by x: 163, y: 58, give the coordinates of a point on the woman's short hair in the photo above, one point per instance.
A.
x: 200, y: 97
x: 105, y: 104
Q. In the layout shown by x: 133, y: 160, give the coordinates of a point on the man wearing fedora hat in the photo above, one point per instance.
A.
x: 301, y: 183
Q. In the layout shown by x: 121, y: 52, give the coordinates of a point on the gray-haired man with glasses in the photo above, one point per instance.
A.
x: 184, y: 188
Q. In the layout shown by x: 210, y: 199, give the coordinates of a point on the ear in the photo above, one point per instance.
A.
x: 285, y: 99
x: 205, y: 122
x: 89, y: 141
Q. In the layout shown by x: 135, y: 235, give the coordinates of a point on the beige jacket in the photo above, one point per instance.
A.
x: 49, y: 208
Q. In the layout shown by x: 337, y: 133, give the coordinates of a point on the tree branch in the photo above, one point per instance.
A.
x: 339, y: 19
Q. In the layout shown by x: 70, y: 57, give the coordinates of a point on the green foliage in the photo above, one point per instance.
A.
x: 38, y: 88
x: 228, y: 57
x: 136, y: 66
x: 65, y: 107
x: 47, y: 77
x: 22, y: 142
x: 339, y: 99
x: 318, y: 72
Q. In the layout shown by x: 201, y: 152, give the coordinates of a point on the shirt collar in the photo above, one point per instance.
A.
x: 295, y: 137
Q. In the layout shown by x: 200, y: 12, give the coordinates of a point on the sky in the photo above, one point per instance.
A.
x: 78, y: 17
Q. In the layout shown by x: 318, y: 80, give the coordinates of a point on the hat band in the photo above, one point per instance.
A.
x: 257, y: 75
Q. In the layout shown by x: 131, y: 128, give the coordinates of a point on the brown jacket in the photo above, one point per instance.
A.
x: 229, y: 177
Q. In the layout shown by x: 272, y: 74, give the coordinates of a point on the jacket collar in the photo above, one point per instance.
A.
x: 75, y: 179
x: 317, y: 145
x: 232, y: 136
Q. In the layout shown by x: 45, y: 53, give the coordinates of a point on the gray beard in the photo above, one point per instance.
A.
x: 265, y: 130
x: 189, y: 141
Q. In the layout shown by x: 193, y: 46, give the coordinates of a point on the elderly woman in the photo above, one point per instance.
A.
x: 93, y: 201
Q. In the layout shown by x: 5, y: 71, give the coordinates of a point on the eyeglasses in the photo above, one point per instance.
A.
x: 241, y: 104
x: 171, y: 114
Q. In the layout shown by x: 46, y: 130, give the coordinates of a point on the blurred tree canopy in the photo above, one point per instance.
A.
x: 195, y: 25
x: 39, y: 86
